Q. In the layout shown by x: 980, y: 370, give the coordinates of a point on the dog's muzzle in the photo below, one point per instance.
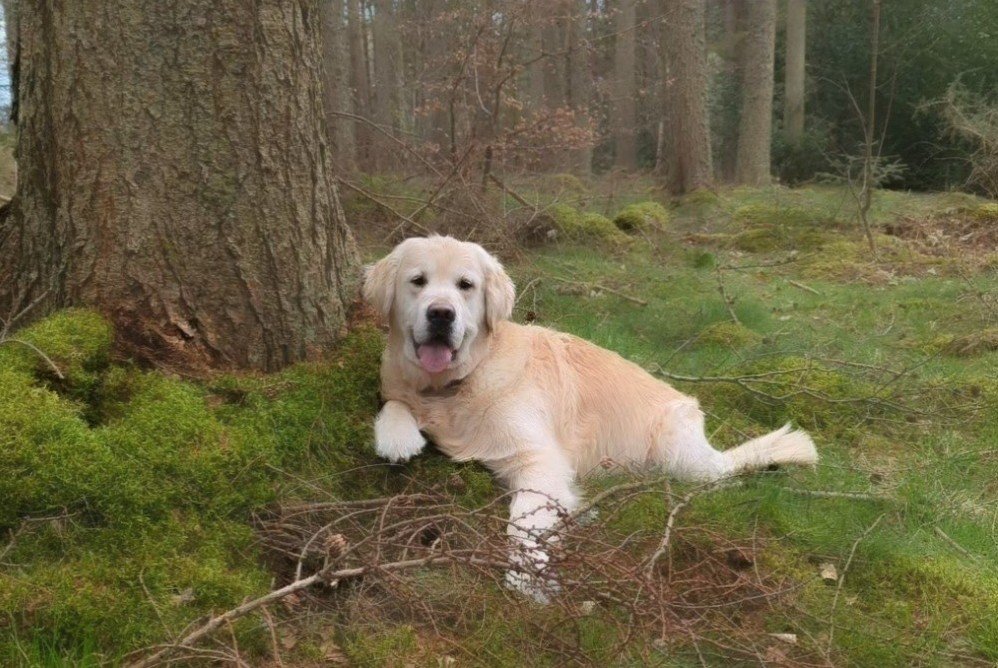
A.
x: 436, y: 352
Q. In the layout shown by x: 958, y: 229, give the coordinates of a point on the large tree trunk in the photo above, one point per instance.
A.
x: 755, y: 128
x: 793, y: 100
x: 624, y: 118
x: 685, y: 49
x: 336, y: 80
x: 180, y: 181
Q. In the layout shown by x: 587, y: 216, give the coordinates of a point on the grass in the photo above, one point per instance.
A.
x: 140, y: 489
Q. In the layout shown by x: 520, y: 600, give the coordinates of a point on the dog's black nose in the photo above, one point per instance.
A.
x: 440, y: 315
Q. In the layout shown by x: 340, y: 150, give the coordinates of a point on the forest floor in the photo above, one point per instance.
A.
x: 136, y: 502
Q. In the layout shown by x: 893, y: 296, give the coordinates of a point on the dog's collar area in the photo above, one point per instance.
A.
x: 448, y: 390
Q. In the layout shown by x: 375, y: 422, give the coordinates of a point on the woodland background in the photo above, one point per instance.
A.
x: 786, y: 208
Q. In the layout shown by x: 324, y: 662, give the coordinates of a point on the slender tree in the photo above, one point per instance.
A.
x: 336, y: 84
x: 387, y: 66
x: 359, y: 81
x: 793, y: 96
x: 755, y: 127
x: 180, y: 182
x: 688, y: 164
x: 624, y: 114
x: 579, y: 80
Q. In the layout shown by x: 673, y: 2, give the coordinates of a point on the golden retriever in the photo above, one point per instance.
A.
x: 537, y: 407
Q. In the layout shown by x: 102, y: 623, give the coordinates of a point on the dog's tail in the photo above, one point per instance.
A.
x: 782, y: 446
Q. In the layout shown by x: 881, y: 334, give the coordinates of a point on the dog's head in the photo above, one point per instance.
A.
x: 440, y: 295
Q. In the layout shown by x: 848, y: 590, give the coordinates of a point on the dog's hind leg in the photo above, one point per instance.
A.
x: 685, y: 452
x: 682, y: 446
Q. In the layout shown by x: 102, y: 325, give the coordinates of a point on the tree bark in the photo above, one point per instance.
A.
x: 793, y: 107
x: 755, y: 127
x: 180, y: 181
x: 685, y: 50
x: 624, y: 116
x: 336, y: 88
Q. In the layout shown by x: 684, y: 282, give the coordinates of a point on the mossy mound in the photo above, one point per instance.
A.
x: 76, y: 341
x: 967, y: 345
x: 795, y: 389
x: 851, y: 260
x: 142, y: 519
x: 574, y: 225
x: 985, y: 213
x: 766, y: 228
x: 728, y: 334
x: 567, y: 183
x: 701, y: 197
x: 642, y: 216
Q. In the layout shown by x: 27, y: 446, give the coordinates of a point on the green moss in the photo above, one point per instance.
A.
x: 161, y: 489
x: 77, y: 341
x: 729, y: 334
x: 975, y: 343
x: 389, y: 646
x: 573, y: 225
x: 701, y: 197
x: 766, y: 228
x: 985, y: 213
x: 567, y: 182
x: 642, y: 216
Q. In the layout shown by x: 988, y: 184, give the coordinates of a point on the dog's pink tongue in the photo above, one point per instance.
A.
x: 434, y: 357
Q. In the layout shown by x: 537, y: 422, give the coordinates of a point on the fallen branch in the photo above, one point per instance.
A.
x: 324, y: 576
x: 357, y: 189
x: 598, y: 286
x: 824, y: 494
x: 806, y: 288
x: 729, y: 302
x: 509, y: 191
x: 842, y: 579
x: 663, y: 546
x: 955, y: 545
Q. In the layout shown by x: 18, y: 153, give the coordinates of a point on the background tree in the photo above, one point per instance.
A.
x: 337, y: 93
x: 387, y: 68
x: 179, y: 182
x: 793, y: 94
x: 752, y: 166
x: 689, y: 166
x: 624, y: 116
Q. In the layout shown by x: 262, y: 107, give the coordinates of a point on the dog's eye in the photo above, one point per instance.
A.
x: 465, y: 284
x: 419, y: 281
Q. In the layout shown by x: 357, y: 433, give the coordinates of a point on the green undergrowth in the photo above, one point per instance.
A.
x: 128, y: 494
x: 894, y: 379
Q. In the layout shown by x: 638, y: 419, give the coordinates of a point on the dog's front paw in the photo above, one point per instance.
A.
x: 396, y: 436
x: 536, y: 587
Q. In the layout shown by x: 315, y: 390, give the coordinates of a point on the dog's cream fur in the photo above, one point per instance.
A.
x: 537, y: 407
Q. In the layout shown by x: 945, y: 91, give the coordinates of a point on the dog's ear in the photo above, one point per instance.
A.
x: 500, y: 293
x: 379, y: 283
